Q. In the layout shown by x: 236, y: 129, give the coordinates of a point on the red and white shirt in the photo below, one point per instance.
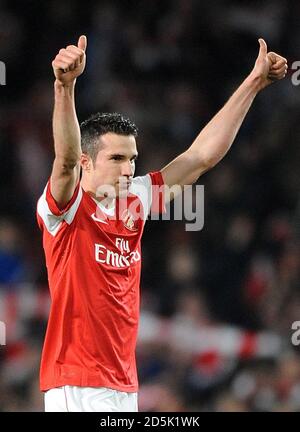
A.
x: 93, y: 260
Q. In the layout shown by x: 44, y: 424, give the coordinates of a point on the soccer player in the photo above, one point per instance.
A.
x: 92, y: 249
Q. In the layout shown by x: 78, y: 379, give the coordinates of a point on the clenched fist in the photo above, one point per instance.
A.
x: 70, y: 62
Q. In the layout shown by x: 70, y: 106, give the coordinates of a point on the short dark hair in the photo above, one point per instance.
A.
x: 99, y: 124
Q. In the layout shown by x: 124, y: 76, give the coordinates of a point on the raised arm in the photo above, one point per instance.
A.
x: 67, y: 66
x: 216, y: 138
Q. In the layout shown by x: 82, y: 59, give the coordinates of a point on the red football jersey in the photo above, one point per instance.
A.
x: 93, y: 258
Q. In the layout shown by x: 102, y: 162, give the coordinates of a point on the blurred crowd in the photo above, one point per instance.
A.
x: 218, y: 304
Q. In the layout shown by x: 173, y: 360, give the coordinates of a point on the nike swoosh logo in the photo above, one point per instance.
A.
x: 94, y: 217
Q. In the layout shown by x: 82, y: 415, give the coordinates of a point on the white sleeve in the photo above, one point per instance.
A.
x: 150, y: 191
x: 142, y: 188
x: 51, y: 215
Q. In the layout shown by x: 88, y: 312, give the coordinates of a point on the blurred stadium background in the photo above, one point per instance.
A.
x: 217, y: 305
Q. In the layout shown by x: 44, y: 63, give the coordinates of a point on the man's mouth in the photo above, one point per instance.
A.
x: 124, y: 184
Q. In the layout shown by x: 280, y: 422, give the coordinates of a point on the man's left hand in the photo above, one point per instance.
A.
x: 269, y: 66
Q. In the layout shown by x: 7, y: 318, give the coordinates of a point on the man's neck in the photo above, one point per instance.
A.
x: 106, y: 202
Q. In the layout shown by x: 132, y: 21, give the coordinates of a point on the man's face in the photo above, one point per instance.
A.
x: 113, y: 170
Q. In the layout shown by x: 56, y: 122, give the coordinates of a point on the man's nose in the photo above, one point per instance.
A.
x: 127, y: 169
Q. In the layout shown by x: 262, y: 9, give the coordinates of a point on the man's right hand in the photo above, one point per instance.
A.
x: 70, y: 62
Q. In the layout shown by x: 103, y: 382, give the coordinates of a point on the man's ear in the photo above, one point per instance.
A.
x: 85, y: 162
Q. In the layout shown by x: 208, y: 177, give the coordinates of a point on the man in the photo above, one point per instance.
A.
x: 92, y: 248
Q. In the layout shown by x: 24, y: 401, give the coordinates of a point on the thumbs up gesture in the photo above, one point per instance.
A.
x: 70, y: 62
x: 269, y: 66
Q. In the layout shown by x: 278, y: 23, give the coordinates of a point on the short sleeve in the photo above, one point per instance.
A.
x: 158, y: 201
x: 50, y: 215
x: 150, y: 191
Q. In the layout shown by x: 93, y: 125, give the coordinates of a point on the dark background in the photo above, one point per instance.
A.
x: 217, y: 305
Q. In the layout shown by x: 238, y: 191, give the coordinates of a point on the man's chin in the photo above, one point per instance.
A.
x: 111, y: 192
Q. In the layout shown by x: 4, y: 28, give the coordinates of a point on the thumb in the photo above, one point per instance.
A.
x: 263, y: 49
x: 82, y: 42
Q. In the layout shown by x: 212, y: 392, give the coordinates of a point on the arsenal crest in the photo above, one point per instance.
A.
x: 128, y: 221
